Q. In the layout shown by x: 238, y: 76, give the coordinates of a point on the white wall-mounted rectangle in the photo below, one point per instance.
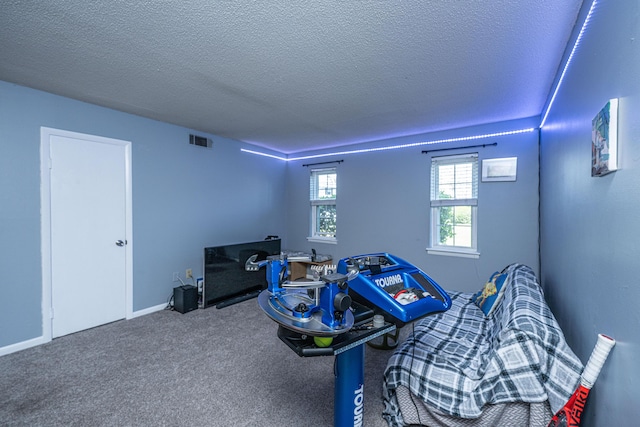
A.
x: 503, y: 169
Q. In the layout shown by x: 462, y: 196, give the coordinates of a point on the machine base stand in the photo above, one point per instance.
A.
x: 349, y: 350
x: 349, y: 388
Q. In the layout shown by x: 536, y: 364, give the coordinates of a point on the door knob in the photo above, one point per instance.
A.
x: 120, y: 243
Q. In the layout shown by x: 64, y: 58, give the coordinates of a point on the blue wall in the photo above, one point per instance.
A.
x: 383, y: 205
x: 184, y: 198
x: 589, y: 227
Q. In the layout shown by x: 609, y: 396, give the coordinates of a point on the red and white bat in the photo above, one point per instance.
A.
x: 571, y: 414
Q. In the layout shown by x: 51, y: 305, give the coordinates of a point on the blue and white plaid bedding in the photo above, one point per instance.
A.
x: 459, y: 360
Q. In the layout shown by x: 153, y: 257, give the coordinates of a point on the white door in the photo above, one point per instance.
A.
x: 88, y: 214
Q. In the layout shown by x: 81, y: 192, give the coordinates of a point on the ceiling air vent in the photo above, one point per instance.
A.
x: 200, y: 141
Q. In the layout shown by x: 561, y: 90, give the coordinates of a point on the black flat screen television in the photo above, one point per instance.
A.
x: 226, y: 281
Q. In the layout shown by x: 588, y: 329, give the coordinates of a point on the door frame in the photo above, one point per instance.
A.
x: 45, y: 215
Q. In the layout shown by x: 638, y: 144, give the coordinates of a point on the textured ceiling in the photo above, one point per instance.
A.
x: 294, y: 75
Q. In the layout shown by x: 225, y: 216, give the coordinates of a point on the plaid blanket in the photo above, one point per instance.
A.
x: 460, y: 360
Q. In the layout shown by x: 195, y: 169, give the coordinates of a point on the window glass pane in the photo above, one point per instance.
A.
x: 323, y: 184
x: 462, y: 226
x: 327, y: 188
x: 455, y: 181
x: 455, y: 226
x: 462, y: 215
x: 325, y: 220
x: 445, y: 225
x: 447, y: 191
x: 464, y: 181
x: 447, y: 174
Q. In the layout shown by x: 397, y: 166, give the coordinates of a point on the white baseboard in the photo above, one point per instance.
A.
x: 148, y: 310
x: 22, y: 345
x: 12, y: 348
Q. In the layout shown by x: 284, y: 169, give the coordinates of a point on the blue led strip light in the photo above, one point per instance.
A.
x: 566, y: 66
x: 263, y: 154
x: 392, y: 147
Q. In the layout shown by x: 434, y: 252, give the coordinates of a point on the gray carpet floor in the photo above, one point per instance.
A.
x: 209, y: 367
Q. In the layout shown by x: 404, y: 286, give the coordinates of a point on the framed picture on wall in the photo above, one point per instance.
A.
x: 604, y: 140
x: 504, y: 169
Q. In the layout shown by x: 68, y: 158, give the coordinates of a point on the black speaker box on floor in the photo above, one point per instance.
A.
x: 185, y: 298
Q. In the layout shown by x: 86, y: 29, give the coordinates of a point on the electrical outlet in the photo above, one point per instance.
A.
x: 188, y: 273
x: 175, y: 276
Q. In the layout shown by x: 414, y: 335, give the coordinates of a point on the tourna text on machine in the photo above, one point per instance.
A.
x: 383, y: 282
x: 358, y: 402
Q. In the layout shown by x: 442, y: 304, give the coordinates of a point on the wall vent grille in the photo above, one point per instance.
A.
x: 200, y: 141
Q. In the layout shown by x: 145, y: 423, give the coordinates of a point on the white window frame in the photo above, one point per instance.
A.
x: 436, y: 203
x: 315, y: 202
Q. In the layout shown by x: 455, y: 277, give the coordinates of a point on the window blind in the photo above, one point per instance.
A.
x: 322, y: 184
x: 454, y: 180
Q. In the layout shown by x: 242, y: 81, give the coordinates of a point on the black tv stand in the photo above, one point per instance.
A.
x: 234, y: 300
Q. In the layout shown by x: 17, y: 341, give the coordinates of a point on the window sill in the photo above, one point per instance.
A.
x: 454, y: 252
x: 328, y: 240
